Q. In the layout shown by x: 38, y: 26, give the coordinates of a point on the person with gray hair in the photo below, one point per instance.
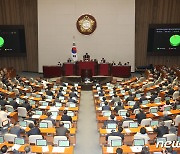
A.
x: 162, y: 129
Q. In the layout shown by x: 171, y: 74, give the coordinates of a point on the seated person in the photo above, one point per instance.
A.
x: 27, y: 150
x: 72, y: 100
x: 145, y: 150
x: 69, y: 60
x: 101, y: 93
x: 118, y: 133
x: 120, y: 106
x: 72, y: 93
x: 103, y: 60
x: 14, y: 104
x: 166, y: 116
x: 136, y: 105
x: 16, y: 129
x: 162, y: 129
x: 65, y: 117
x: 26, y: 105
x: 3, y: 101
x: 49, y: 114
x: 49, y: 92
x: 30, y: 114
x: 61, y: 130
x: 112, y: 120
x: 169, y: 151
x: 33, y: 130
x: 106, y: 107
x: 127, y: 117
x: 143, y: 97
x: 142, y: 135
x: 119, y: 63
x: 140, y: 116
x: 130, y: 98
x: 86, y: 57
x: 167, y: 104
x: 113, y: 63
x: 116, y: 98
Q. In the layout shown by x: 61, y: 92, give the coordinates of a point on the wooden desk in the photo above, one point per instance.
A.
x: 121, y: 71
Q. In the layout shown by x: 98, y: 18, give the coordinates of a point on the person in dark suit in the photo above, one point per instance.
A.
x: 65, y: 117
x: 72, y: 100
x: 118, y: 133
x: 106, y: 107
x: 140, y: 116
x: 112, y: 117
x: 170, y: 91
x: 86, y: 57
x: 136, y: 105
x: 143, y: 97
x: 101, y: 93
x: 161, y: 130
x: 119, y: 151
x: 166, y: 117
x: 14, y: 104
x: 61, y: 130
x: 15, y: 129
x: 49, y: 92
x: 30, y: 117
x: 127, y: 117
x: 73, y: 94
x: 60, y: 92
x: 116, y: 98
x: 120, y: 106
x: 153, y: 96
x: 3, y: 101
x: 130, y: 98
x: 26, y: 105
x: 49, y: 114
x: 33, y: 130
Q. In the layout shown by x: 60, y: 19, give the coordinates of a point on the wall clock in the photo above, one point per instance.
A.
x: 86, y: 24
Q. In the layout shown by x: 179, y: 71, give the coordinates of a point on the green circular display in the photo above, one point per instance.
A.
x: 1, y: 41
x: 175, y: 40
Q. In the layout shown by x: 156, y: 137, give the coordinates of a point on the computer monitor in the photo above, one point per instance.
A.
x: 106, y: 113
x: 153, y: 110
x: 126, y: 96
x: 71, y: 114
x: 43, y: 125
x: 131, y: 103
x: 132, y: 90
x: 161, y: 139
x: 54, y: 113
x: 38, y: 112
x: 167, y: 98
x: 157, y: 100
x: 38, y: 96
x: 167, y: 108
x: 148, y: 94
x: 116, y: 143
x: 1, y: 139
x: 49, y: 97
x: 58, y: 104
x: 67, y: 125
x: 111, y: 126
x: 144, y: 102
x: 4, y: 123
x: 139, y: 142
x: 43, y: 90
x: 31, y: 102
x: 123, y: 91
x: 10, y: 99
x: 63, y: 143
x: 19, y: 141
x: 178, y: 138
x: 133, y: 125
x: 41, y: 142
x: 138, y: 95
x: 154, y: 123
x: 23, y: 123
x: 9, y: 109
x: 178, y: 107
x: 44, y: 103
x: 28, y: 94
x: 122, y: 113
x: 72, y: 105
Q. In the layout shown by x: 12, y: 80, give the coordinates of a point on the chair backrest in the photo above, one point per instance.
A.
x: 175, y: 95
x: 22, y: 112
x: 33, y: 138
x: 168, y: 123
x: 177, y: 120
x: 170, y: 137
x: 49, y: 122
x: 9, y: 137
x: 16, y: 91
x: 9, y: 108
x: 126, y: 123
x: 146, y: 122
x: 106, y: 113
x: 110, y: 138
x: 57, y: 138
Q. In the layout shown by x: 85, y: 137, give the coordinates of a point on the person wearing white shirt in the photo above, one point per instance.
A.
x: 142, y: 135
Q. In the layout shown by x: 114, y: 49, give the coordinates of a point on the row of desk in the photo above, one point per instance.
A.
x: 71, y: 69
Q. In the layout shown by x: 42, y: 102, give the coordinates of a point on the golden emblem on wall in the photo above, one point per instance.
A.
x: 86, y: 24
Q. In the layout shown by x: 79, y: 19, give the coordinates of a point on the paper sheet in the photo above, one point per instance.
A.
x: 45, y: 149
x: 36, y: 116
x: 109, y: 149
x: 136, y: 148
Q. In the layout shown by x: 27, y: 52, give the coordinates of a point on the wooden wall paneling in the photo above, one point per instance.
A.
x: 154, y: 12
x: 21, y: 12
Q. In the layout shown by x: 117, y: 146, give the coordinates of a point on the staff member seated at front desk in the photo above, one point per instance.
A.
x: 86, y: 57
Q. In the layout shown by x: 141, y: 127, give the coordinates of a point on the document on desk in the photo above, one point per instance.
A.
x: 36, y: 116
x: 16, y: 147
x: 53, y: 108
x: 155, y: 114
x: 168, y: 112
x: 144, y: 105
x: 109, y: 149
x: 127, y: 130
x: 58, y: 149
x: 149, y: 129
x: 136, y: 148
x: 45, y: 149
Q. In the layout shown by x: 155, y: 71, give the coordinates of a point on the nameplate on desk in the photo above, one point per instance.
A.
x: 45, y: 149
x: 127, y: 130
x: 36, y: 116
x: 136, y: 148
x: 58, y: 149
x: 110, y: 149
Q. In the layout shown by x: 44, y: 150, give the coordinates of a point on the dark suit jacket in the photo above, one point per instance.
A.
x: 161, y: 131
x: 14, y: 104
x: 117, y: 108
x: 34, y: 131
x: 115, y: 134
x: 53, y: 121
x: 130, y: 98
x: 49, y: 93
x: 140, y: 116
x: 72, y: 94
x: 26, y: 105
x: 3, y: 102
x: 16, y: 130
x: 61, y: 131
x: 106, y: 108
x: 66, y: 118
x: 164, y: 118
